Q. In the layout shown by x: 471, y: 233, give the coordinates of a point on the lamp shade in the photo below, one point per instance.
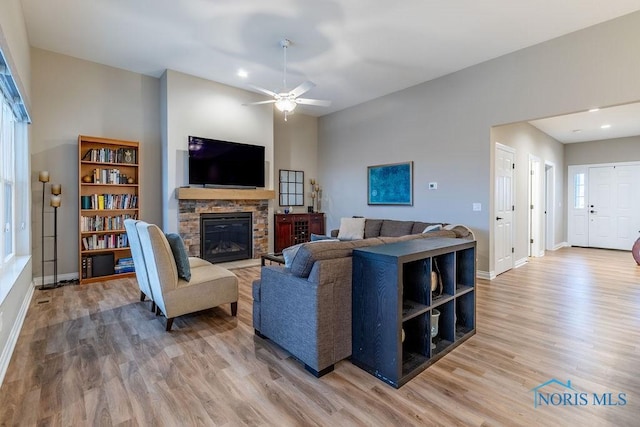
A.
x: 286, y: 105
x: 55, y: 201
x: 43, y: 176
x: 56, y: 189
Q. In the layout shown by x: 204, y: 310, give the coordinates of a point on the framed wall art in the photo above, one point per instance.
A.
x: 291, y: 188
x: 390, y: 184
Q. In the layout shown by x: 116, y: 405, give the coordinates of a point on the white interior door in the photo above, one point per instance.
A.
x: 503, y: 229
x: 614, y: 214
x: 549, y: 206
x: 535, y: 207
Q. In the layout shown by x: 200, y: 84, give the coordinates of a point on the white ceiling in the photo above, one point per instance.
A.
x: 353, y: 50
x: 622, y: 121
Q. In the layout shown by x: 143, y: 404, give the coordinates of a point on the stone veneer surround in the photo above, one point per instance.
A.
x: 189, y: 211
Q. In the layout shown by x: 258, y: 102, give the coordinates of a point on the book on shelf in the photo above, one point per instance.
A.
x: 107, y: 155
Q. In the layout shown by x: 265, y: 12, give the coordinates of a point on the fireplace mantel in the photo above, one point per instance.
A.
x: 192, y: 193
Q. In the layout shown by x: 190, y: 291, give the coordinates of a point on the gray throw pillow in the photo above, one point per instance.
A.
x: 316, y: 237
x: 180, y: 255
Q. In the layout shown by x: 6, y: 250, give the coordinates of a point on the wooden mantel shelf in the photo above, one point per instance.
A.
x: 191, y: 193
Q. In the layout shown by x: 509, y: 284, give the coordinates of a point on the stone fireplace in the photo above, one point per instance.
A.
x: 192, y: 203
x: 226, y: 236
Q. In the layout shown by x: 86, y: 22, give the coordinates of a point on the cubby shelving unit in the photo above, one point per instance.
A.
x: 392, y: 300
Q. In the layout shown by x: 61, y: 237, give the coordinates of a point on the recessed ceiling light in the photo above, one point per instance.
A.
x: 593, y: 110
x: 243, y: 73
x: 605, y: 126
x: 576, y: 130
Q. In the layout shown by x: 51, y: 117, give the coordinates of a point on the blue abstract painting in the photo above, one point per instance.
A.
x: 390, y: 184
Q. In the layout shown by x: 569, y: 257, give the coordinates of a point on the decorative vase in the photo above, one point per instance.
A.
x: 435, y: 316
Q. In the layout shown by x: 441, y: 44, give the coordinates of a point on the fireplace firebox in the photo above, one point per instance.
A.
x: 226, y: 236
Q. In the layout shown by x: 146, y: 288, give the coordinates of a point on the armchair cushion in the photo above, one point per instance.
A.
x: 180, y: 255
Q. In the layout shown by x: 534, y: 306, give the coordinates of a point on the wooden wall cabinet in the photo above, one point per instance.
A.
x: 291, y: 229
x: 393, y: 304
x: 108, y: 189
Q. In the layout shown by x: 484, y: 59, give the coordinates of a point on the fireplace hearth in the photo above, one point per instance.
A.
x: 226, y: 236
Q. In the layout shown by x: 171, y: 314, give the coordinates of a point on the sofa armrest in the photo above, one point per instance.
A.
x: 310, y: 318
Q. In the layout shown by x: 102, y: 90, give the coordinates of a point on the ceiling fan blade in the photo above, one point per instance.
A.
x: 271, y: 101
x: 318, y: 102
x: 302, y: 88
x: 263, y: 90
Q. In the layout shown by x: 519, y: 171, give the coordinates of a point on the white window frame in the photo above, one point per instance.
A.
x: 7, y: 177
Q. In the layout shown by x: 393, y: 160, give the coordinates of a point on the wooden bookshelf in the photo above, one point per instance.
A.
x: 109, y: 190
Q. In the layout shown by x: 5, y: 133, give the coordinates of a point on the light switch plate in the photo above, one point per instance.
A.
x: 477, y: 207
x: 433, y: 186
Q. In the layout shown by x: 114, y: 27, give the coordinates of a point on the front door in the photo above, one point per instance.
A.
x: 614, y: 214
x: 504, y: 209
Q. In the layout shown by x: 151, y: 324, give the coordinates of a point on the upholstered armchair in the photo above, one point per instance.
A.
x: 138, y: 261
x: 208, y: 286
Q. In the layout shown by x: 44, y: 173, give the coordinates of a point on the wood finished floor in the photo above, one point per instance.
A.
x: 95, y: 355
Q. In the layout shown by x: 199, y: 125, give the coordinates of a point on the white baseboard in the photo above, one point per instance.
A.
x: 520, y: 262
x: 487, y: 275
x: 561, y: 245
x: 10, y: 345
x: 49, y: 279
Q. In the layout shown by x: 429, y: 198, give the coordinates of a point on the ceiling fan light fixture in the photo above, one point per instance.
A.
x: 286, y: 105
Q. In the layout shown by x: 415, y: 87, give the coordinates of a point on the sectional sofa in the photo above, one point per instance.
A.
x: 305, y: 306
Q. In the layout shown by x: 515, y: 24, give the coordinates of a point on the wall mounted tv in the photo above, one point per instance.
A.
x: 225, y: 164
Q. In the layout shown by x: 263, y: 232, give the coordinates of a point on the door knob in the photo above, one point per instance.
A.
x: 498, y: 218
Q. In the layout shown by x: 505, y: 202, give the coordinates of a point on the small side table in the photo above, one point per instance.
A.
x: 272, y: 258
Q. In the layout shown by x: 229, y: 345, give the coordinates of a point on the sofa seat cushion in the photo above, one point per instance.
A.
x: 210, y: 286
x: 393, y: 228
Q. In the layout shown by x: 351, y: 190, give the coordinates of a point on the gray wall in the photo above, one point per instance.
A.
x: 194, y: 106
x: 606, y: 151
x: 16, y: 292
x: 296, y: 148
x: 75, y: 97
x: 444, y: 125
x: 528, y: 140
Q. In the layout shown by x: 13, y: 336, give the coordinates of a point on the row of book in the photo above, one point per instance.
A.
x: 103, y: 265
x: 104, y: 223
x: 107, y: 155
x: 109, y: 176
x: 97, y: 265
x: 106, y: 241
x: 124, y: 265
x: 109, y: 201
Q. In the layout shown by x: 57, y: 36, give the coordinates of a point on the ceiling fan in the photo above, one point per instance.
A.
x: 287, y: 101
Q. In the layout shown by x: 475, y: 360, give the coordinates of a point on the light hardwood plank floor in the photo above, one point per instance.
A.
x: 95, y: 355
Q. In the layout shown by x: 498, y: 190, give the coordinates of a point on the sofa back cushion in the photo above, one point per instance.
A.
x: 393, y: 228
x: 372, y: 228
x: 309, y: 253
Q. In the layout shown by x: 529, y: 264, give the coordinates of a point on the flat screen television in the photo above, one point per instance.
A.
x: 225, y: 164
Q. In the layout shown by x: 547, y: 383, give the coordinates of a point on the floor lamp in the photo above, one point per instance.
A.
x: 56, y: 190
x: 43, y: 177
